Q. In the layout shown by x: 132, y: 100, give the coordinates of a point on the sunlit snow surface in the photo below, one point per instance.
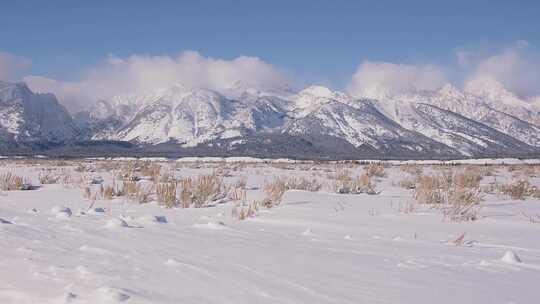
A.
x: 314, y: 248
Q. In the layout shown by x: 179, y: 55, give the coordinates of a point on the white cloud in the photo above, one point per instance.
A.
x: 516, y: 68
x: 12, y: 67
x: 379, y: 79
x: 142, y: 74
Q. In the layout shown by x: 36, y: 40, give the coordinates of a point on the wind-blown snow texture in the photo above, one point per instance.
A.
x: 442, y: 123
x: 314, y: 248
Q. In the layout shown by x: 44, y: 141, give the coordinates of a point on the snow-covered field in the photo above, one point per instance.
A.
x: 61, y: 245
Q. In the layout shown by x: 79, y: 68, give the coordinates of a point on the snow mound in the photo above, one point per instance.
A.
x: 152, y: 219
x: 61, y: 212
x: 116, y: 223
x: 510, y: 257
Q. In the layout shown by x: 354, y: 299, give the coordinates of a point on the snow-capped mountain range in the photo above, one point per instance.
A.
x: 29, y: 117
x: 489, y: 121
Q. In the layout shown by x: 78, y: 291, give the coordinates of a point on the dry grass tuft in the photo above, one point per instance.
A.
x: 151, y: 170
x: 274, y: 191
x: 412, y: 169
x: 11, y: 182
x: 520, y: 190
x: 408, y: 184
x: 429, y: 190
x: 303, y: 183
x: 375, y: 169
x: 469, y: 178
x: 201, y: 191
x: 47, y: 177
x: 136, y: 192
x: 166, y: 194
x: 458, y: 195
x: 348, y: 185
x: 246, y: 210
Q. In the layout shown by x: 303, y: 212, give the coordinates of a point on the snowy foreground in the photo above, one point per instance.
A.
x: 315, y: 247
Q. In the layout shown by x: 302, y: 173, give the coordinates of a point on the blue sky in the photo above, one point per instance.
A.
x: 306, y: 38
x: 311, y: 41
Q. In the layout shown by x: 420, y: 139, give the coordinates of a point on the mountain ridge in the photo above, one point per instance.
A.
x: 442, y: 123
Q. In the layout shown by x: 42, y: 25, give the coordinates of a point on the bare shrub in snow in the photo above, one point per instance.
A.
x: 274, y: 191
x: 276, y: 188
x: 375, y: 169
x: 207, y: 188
x: 469, y: 178
x: 131, y: 188
x: 48, y: 177
x: 429, y: 190
x: 114, y: 190
x: 10, y: 182
x: 412, y: 169
x: 143, y: 195
x: 136, y: 192
x: 201, y: 191
x: 241, y: 183
x: 522, y: 171
x: 107, y: 192
x: 463, y: 204
x: 458, y: 195
x: 349, y: 185
x: 87, y: 192
x: 408, y: 183
x: 166, y: 194
x: 150, y: 169
x: 237, y: 194
x: 535, y: 219
x: 246, y: 210
x: 519, y: 189
x: 303, y: 183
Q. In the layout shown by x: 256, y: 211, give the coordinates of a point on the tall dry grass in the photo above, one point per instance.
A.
x: 11, y: 182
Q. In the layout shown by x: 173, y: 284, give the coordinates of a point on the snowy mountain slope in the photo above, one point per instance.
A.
x: 29, y: 117
x: 480, y: 110
x: 187, y: 116
x: 364, y: 125
x: 503, y: 100
x: 442, y: 122
x: 311, y: 98
x: 468, y: 136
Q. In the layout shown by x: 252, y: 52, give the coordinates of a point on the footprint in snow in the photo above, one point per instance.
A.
x: 61, y: 212
x: 68, y: 297
x: 152, y: 219
x: 32, y: 210
x: 3, y: 221
x: 116, y: 223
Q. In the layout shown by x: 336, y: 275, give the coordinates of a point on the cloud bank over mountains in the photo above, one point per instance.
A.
x: 516, y: 68
x: 143, y: 74
x: 384, y: 79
